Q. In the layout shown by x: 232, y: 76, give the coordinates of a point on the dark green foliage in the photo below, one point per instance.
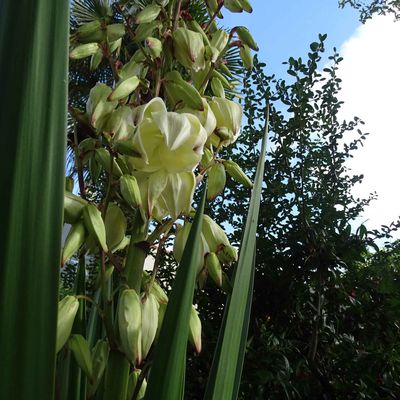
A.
x: 321, y: 326
x: 368, y: 9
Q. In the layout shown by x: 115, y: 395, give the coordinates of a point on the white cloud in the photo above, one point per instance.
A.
x: 371, y: 90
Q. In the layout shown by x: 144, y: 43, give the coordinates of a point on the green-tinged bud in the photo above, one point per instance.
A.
x: 67, y: 309
x: 91, y: 32
x: 233, y: 6
x: 228, y: 115
x: 214, y: 268
x: 184, y: 91
x: 115, y: 46
x: 115, y: 223
x: 212, y: 5
x: 161, y: 313
x: 88, y: 144
x: 246, y: 37
x: 214, y: 235
x: 97, y: 107
x: 73, y: 207
x: 131, y: 68
x: 222, y: 78
x: 237, y: 173
x: 104, y: 158
x: 96, y: 60
x: 124, y: 88
x: 144, y: 30
x: 217, y: 88
x: 228, y: 255
x: 148, y: 14
x: 216, y: 181
x: 83, y: 51
x: 194, y: 25
x: 207, y: 157
x: 225, y: 70
x: 130, y: 190
x: 195, y: 330
x: 155, y: 289
x: 246, y: 56
x: 129, y: 316
x: 123, y: 244
x: 69, y: 184
x: 189, y: 48
x: 155, y: 46
x: 115, y: 32
x: 95, y: 225
x: 133, y: 381
x: 100, y: 357
x: 74, y: 241
x: 80, y: 349
x: 150, y: 308
x: 246, y: 6
x: 218, y: 43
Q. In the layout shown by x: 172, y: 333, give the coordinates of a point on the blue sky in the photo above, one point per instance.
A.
x: 284, y: 28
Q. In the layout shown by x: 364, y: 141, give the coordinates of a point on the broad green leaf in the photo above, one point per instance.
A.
x: 227, y: 365
x: 33, y: 110
x: 167, y: 375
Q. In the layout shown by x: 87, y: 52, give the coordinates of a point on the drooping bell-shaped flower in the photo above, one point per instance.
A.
x: 165, y: 193
x: 189, y: 48
x: 229, y: 118
x: 167, y: 141
x: 206, y: 117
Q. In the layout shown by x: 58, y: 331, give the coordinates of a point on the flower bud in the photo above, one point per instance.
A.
x: 130, y: 190
x: 228, y: 255
x: 143, y: 31
x: 96, y: 59
x: 155, y: 46
x: 246, y: 37
x: 67, y: 309
x: 115, y: 223
x: 115, y: 32
x: 148, y: 14
x: 95, y: 225
x: 228, y: 115
x: 100, y: 357
x: 214, y: 235
x: 217, y: 88
x: 75, y: 239
x: 246, y: 6
x: 216, y: 181
x: 233, y: 6
x: 73, y: 207
x: 83, y: 50
x: 133, y: 381
x: 129, y: 316
x: 189, y: 48
x: 214, y: 268
x: 124, y: 88
x: 155, y: 289
x: 91, y: 32
x: 149, y: 322
x: 104, y: 158
x: 195, y: 330
x: 206, y: 117
x: 97, y: 107
x: 80, y: 349
x: 218, y: 43
x: 237, y: 173
x: 246, y: 56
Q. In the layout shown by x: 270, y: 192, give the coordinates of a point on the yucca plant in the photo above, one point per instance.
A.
x: 152, y: 129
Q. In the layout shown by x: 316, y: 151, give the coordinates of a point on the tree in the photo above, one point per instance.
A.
x: 367, y: 10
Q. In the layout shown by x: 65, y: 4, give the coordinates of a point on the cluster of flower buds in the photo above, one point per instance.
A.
x: 215, y: 250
